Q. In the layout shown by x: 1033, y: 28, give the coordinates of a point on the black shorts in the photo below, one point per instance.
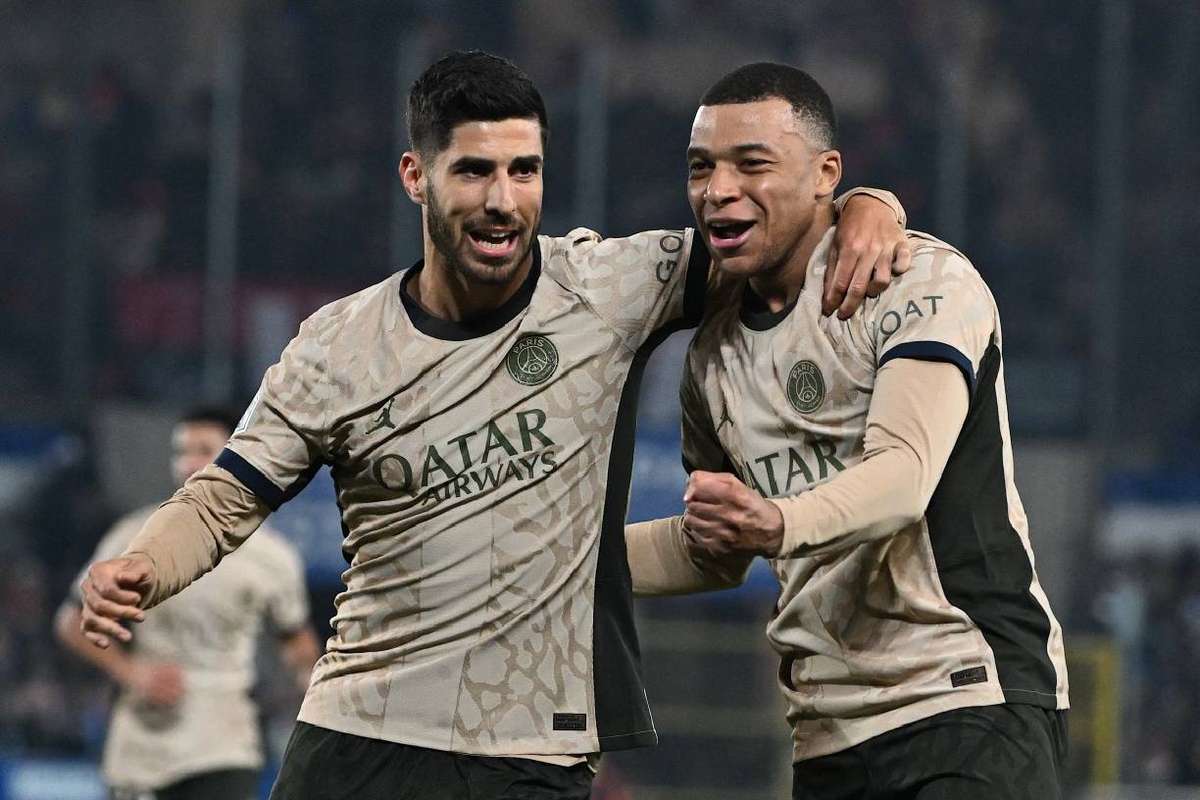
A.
x: 226, y: 784
x: 1004, y: 752
x: 321, y: 764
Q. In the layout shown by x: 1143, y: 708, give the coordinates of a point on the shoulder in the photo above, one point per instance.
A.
x: 934, y: 260
x: 561, y: 254
x: 353, y: 309
x: 346, y: 323
x: 607, y: 257
x: 938, y: 270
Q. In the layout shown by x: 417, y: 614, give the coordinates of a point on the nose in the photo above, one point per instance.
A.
x: 499, y: 198
x: 722, y: 187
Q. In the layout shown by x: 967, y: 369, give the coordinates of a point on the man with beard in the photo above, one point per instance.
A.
x: 869, y: 459
x: 477, y: 413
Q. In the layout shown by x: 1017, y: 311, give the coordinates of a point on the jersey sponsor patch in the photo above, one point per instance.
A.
x: 570, y: 722
x: 966, y: 677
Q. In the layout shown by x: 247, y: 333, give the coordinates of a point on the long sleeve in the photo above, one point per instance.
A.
x: 191, y: 532
x: 917, y: 411
x: 661, y: 564
x: 882, y: 195
x: 659, y: 559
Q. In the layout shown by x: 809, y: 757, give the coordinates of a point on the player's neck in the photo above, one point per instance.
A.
x: 779, y: 287
x: 449, y: 294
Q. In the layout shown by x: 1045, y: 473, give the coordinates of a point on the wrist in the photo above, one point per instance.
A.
x: 879, y: 196
x: 774, y: 530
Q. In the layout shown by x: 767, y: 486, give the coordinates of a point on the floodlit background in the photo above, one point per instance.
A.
x: 182, y: 182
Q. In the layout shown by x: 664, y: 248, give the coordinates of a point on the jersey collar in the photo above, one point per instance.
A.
x: 479, y: 325
x: 756, y: 316
x: 754, y: 312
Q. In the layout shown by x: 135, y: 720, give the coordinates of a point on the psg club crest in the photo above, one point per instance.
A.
x: 806, y: 387
x: 532, y: 360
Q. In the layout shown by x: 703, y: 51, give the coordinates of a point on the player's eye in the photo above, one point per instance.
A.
x: 473, y: 169
x: 698, y: 167
x: 752, y: 164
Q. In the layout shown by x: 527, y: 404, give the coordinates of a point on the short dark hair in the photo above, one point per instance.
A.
x: 765, y: 80
x: 210, y: 415
x: 469, y: 86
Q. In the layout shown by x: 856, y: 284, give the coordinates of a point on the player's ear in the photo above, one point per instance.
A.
x: 412, y: 174
x: 829, y: 172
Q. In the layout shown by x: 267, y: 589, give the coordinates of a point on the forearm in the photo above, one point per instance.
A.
x: 882, y: 195
x: 916, y: 415
x: 189, y: 534
x: 869, y: 501
x: 114, y: 662
x: 660, y: 563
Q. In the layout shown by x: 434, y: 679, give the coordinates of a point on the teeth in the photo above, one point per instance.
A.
x: 493, y: 238
x: 729, y: 230
x: 492, y: 241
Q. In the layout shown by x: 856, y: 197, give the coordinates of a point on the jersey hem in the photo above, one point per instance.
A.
x: 519, y: 750
x: 1032, y: 697
x: 855, y: 732
x: 628, y: 741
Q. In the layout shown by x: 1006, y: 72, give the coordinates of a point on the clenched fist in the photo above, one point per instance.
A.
x: 112, y: 592
x: 726, y: 517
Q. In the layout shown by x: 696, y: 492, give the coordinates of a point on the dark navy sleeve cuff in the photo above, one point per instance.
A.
x: 252, y: 479
x: 934, y: 351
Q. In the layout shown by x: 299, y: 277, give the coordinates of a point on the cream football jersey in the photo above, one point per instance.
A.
x: 943, y: 614
x: 209, y: 630
x: 482, y: 471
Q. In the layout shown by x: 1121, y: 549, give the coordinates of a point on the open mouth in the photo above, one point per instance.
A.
x: 494, y: 244
x: 728, y: 234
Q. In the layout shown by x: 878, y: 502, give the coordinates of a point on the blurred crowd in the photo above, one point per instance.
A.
x: 106, y: 115
x: 984, y: 121
x: 1150, y: 605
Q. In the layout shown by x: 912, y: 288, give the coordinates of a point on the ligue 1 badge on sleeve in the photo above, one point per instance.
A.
x: 532, y: 360
x: 806, y: 387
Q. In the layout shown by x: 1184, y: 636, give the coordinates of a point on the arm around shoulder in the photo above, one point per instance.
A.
x: 882, y: 195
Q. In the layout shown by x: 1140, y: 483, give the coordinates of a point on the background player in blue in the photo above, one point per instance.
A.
x: 477, y: 413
